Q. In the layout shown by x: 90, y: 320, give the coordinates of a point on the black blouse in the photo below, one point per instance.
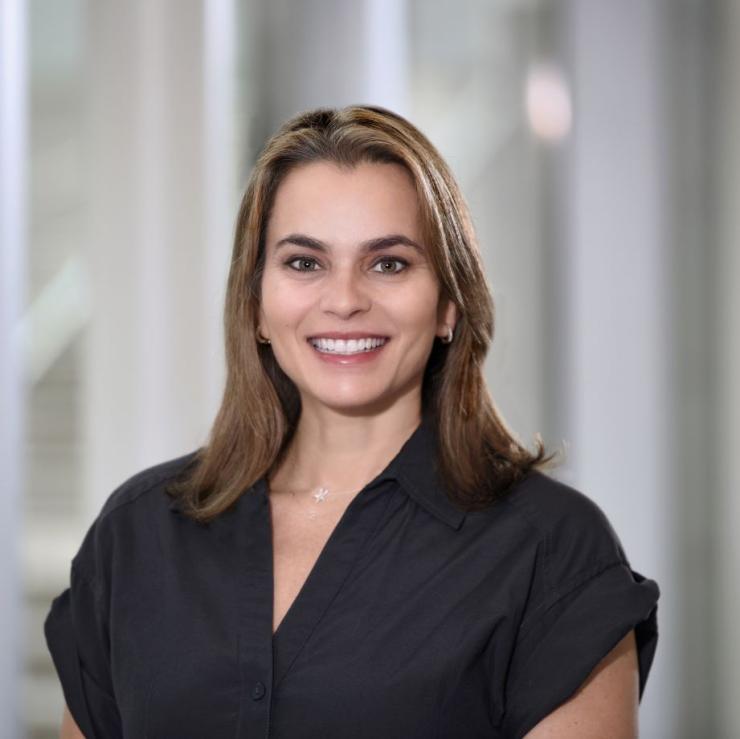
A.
x: 417, y: 619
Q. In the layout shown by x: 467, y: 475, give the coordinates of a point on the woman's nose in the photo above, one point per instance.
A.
x: 344, y: 292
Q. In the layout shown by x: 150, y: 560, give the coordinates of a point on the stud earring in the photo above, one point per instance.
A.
x: 261, y: 339
x: 448, y: 338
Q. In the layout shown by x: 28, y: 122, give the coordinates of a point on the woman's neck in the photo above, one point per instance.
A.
x: 341, y: 454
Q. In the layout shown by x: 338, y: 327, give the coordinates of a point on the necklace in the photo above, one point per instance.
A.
x: 319, y: 495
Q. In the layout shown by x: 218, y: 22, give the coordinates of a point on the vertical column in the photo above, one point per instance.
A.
x: 339, y: 53
x: 692, y: 52
x: 728, y: 371
x: 616, y: 315
x: 221, y: 183
x: 13, y: 248
x: 163, y: 200
x: 386, y: 62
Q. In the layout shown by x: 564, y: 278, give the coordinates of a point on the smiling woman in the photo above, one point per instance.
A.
x: 383, y: 288
x: 362, y: 547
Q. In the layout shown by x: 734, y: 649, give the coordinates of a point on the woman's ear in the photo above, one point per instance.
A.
x: 260, y: 332
x: 447, y: 317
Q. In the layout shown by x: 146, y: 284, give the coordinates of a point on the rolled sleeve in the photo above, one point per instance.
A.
x: 560, y: 645
x: 76, y: 636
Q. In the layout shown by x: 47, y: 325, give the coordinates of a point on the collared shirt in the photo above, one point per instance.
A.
x: 417, y: 619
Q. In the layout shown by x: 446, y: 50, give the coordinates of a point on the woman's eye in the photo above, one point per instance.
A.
x: 305, y: 264
x: 389, y: 260
x: 303, y: 261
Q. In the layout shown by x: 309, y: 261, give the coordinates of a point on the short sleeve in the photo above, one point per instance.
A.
x: 77, y: 638
x: 590, y: 600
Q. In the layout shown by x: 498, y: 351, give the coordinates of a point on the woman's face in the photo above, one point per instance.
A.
x: 324, y: 276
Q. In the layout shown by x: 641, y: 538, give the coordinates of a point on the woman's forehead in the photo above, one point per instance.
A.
x: 334, y: 205
x: 325, y: 180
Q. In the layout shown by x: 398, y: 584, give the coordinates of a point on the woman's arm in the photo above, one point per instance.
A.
x: 69, y: 729
x: 605, y: 705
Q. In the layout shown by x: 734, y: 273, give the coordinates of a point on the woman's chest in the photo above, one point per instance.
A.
x: 299, y: 535
x: 381, y: 626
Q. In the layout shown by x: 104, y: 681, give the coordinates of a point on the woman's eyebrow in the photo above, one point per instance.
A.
x: 371, y: 245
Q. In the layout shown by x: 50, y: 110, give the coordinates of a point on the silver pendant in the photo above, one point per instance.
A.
x: 320, y: 495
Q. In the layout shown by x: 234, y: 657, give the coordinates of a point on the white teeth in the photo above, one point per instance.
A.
x: 352, y: 346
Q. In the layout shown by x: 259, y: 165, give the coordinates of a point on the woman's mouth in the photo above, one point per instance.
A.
x: 347, y: 347
x: 348, y: 352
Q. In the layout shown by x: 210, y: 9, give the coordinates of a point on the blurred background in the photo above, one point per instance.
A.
x: 596, y: 144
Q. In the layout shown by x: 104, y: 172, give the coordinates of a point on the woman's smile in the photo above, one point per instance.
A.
x: 348, y: 353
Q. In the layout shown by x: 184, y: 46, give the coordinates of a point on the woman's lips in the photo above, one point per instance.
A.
x: 343, y: 360
x: 347, y: 337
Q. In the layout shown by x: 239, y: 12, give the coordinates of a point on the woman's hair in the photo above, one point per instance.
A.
x: 478, y: 456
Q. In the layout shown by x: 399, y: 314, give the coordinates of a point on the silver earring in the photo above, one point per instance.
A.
x: 261, y: 339
x: 448, y: 338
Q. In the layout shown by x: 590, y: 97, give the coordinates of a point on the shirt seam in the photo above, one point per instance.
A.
x: 88, y: 578
x: 543, y: 538
x: 147, y: 484
x: 551, y: 588
x: 572, y: 583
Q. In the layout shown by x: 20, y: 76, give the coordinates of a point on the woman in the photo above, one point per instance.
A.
x: 362, y: 548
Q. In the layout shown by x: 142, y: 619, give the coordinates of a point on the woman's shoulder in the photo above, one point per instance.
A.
x: 564, y: 518
x: 126, y: 516
x: 146, y: 484
x: 548, y: 503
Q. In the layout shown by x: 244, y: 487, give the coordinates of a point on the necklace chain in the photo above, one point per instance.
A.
x: 319, y: 495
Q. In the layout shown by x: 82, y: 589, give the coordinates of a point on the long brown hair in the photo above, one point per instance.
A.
x: 479, y: 457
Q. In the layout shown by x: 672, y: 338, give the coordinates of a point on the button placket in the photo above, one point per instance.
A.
x: 255, y: 639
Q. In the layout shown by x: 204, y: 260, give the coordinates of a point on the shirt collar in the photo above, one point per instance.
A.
x: 415, y: 468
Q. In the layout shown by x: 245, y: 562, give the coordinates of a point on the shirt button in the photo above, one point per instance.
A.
x: 258, y: 690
